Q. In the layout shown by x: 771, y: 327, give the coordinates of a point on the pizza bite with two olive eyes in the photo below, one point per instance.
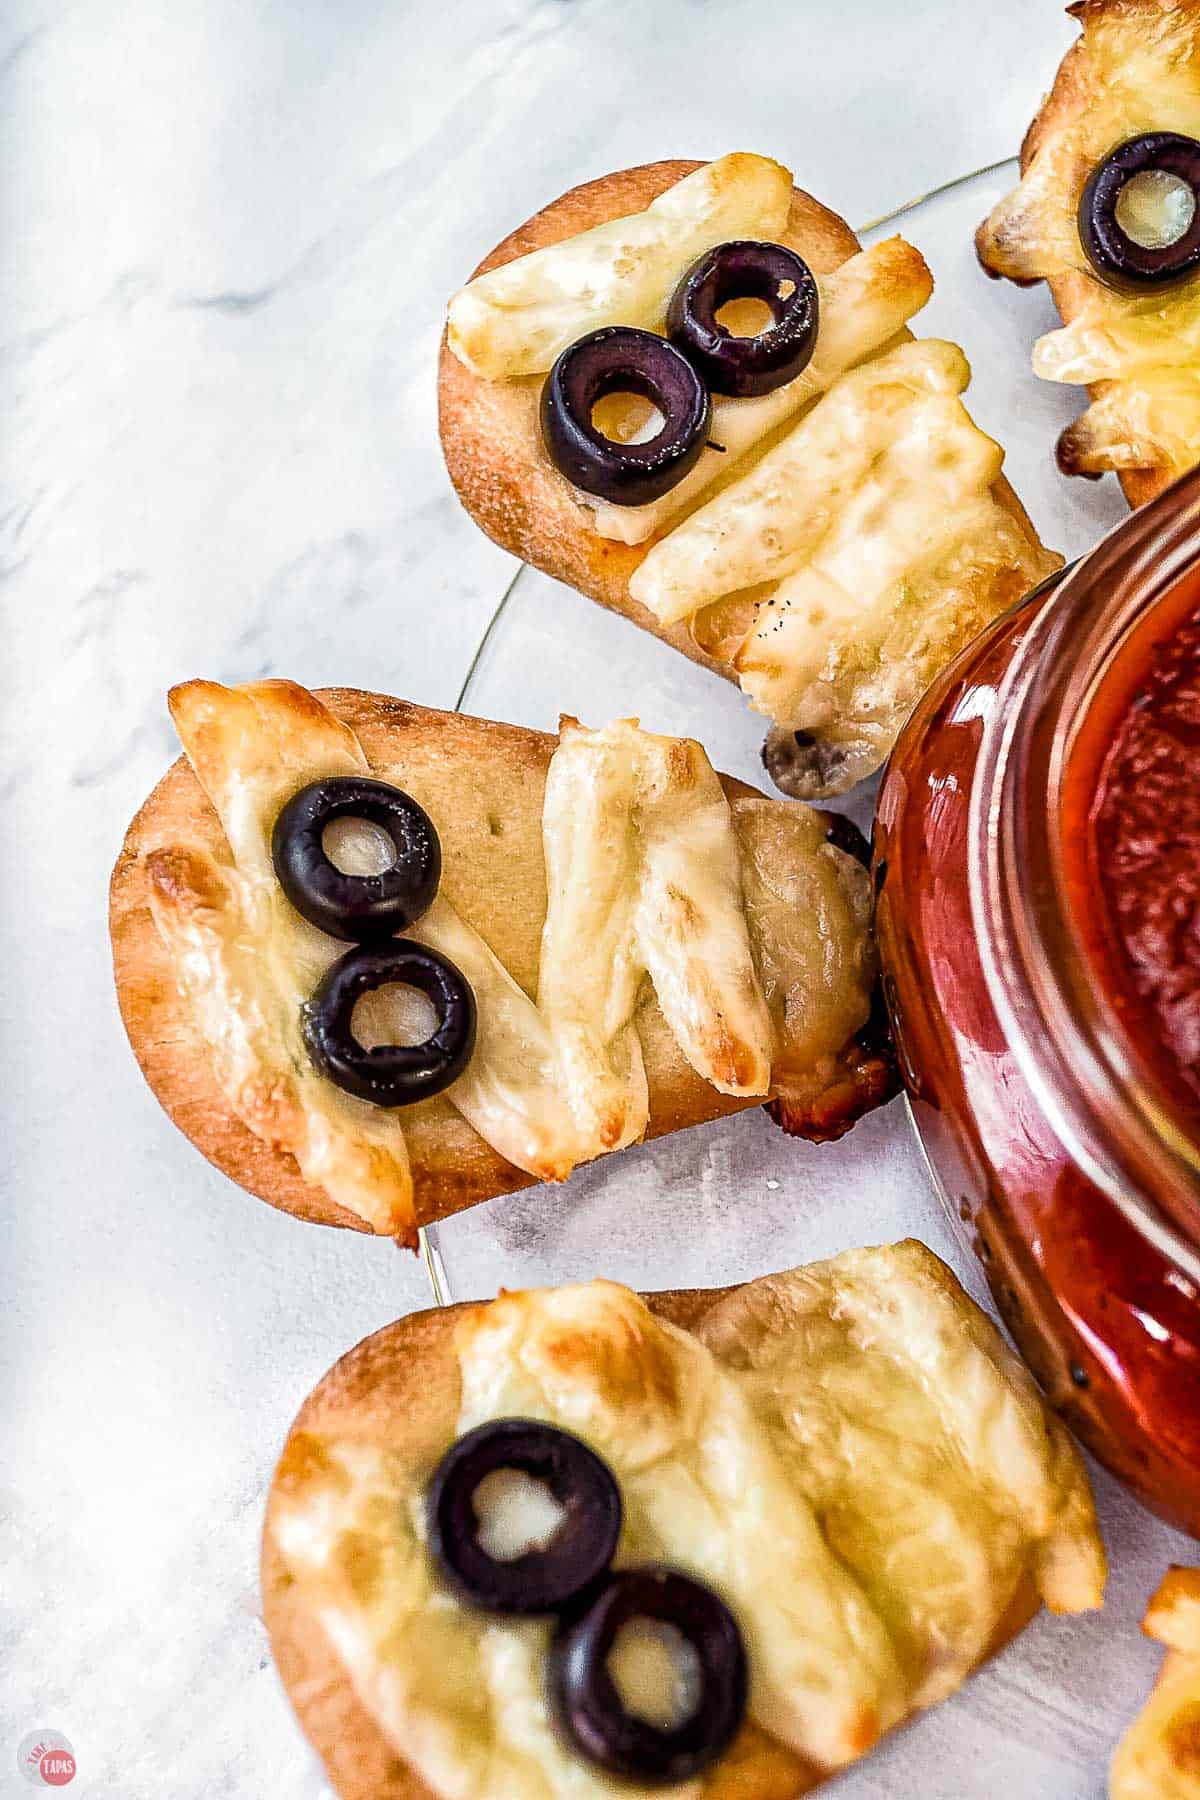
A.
x: 380, y: 963
x: 1159, y: 1756
x: 572, y: 1542
x: 1106, y: 213
x: 685, y: 390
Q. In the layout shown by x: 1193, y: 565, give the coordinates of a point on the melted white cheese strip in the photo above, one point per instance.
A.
x: 690, y: 921
x: 1149, y: 422
x: 663, y: 898
x: 512, y: 1091
x: 590, y: 968
x: 1142, y: 352
x: 517, y: 319
x: 644, y: 870
x: 864, y: 303
x: 764, y: 525
x: 847, y: 1453
x: 247, y: 963
x: 246, y: 1002
x: 1111, y: 344
x: 702, y: 1488
x: 461, y: 1696
x: 923, y: 1445
x: 875, y: 524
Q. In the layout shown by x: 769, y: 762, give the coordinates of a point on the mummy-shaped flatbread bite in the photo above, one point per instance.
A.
x: 380, y: 963
x: 573, y: 1542
x: 1106, y: 213
x: 685, y: 390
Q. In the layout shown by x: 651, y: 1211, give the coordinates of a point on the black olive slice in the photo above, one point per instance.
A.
x: 619, y: 360
x: 585, y: 1697
x: 1117, y: 257
x: 746, y: 270
x: 391, y: 1074
x: 539, y: 1581
x: 362, y: 908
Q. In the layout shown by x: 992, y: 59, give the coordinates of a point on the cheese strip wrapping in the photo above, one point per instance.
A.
x: 847, y: 1453
x: 645, y: 878
x: 247, y: 962
x: 1152, y: 422
x: 518, y: 319
x: 867, y: 544
x: 770, y: 521
x: 863, y: 305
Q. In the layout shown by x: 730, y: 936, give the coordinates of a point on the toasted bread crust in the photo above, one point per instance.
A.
x: 484, y: 783
x: 401, y: 1386
x: 489, y: 431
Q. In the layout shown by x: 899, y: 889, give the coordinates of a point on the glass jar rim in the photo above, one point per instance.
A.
x: 1125, y: 1134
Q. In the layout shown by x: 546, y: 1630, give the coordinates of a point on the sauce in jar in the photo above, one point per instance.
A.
x: 1037, y: 862
x: 1131, y: 823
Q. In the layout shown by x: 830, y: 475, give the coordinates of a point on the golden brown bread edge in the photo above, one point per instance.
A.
x: 401, y: 1386
x: 483, y: 783
x: 1068, y: 97
x: 488, y: 427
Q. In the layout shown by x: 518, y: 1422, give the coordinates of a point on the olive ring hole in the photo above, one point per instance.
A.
x: 515, y: 1514
x: 370, y: 990
x: 746, y: 316
x: 656, y: 1672
x: 394, y: 1014
x: 624, y: 417
x: 360, y: 847
x: 1155, y: 208
x: 522, y: 1517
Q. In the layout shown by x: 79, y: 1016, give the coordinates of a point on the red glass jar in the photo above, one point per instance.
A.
x: 1075, y: 1178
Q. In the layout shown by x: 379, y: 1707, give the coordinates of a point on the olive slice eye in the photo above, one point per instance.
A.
x: 717, y: 286
x: 564, y: 1561
x: 629, y: 470
x: 391, y: 1074
x: 1139, y: 221
x: 315, y: 848
x: 591, y: 1708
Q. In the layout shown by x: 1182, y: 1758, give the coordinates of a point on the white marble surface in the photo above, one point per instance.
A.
x: 230, y: 227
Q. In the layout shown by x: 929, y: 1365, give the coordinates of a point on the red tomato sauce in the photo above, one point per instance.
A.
x: 1132, y: 843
